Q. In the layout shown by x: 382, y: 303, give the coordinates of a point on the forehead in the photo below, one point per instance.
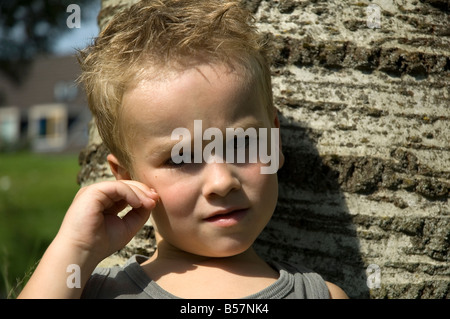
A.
x: 213, y: 93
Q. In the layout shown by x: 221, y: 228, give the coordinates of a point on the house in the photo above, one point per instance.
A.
x: 9, y: 125
x: 48, y: 109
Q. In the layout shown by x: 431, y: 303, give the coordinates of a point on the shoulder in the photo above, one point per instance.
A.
x: 117, y: 281
x: 312, y: 283
x: 335, y: 291
x: 307, y: 284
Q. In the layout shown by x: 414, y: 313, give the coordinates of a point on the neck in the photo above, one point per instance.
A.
x: 166, y: 253
x: 191, y: 276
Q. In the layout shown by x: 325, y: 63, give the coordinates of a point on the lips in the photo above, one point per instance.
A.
x: 227, y: 217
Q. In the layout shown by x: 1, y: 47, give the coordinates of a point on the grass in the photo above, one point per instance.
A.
x: 35, y: 192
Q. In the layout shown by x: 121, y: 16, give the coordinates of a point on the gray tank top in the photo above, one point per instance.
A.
x: 130, y: 282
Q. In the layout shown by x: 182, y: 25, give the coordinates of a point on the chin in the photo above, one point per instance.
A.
x: 228, y: 250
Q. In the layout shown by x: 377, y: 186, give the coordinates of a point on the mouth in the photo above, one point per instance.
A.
x: 226, y: 218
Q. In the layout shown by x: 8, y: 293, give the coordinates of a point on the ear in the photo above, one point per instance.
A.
x: 276, y: 123
x: 119, y: 171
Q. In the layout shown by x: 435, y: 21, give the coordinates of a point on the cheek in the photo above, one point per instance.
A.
x: 262, y: 186
x: 177, y: 199
x: 254, y: 176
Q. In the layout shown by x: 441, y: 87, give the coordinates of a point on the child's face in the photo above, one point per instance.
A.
x: 191, y: 193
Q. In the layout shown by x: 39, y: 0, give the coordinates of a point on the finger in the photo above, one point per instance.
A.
x: 116, y: 208
x: 137, y: 217
x: 135, y: 220
x: 115, y: 195
x: 150, y: 192
x: 146, y: 196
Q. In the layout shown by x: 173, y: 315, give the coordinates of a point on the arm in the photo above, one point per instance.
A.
x: 336, y: 292
x: 91, y: 231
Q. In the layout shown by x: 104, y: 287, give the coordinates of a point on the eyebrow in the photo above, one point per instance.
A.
x: 165, y: 146
x: 248, y: 123
x: 162, y: 148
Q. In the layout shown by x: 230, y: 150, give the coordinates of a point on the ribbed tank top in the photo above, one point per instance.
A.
x: 131, y: 282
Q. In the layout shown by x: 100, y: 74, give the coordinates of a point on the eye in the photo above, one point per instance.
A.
x: 171, y: 163
x: 179, y: 160
x: 241, y: 142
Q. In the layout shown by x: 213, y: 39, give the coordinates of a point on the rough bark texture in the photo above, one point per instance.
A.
x: 365, y: 131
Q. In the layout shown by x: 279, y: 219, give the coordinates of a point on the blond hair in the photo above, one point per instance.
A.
x: 165, y: 34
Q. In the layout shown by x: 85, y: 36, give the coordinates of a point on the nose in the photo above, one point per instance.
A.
x: 219, y: 180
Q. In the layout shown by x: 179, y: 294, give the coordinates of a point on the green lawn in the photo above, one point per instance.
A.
x: 35, y: 192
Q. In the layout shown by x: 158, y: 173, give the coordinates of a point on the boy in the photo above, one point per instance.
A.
x: 159, y: 67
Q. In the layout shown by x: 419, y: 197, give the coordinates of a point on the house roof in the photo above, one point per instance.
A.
x: 50, y: 80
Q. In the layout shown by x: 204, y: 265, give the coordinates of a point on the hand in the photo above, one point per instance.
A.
x: 92, y: 224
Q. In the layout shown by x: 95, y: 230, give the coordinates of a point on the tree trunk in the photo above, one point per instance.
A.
x: 363, y: 93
